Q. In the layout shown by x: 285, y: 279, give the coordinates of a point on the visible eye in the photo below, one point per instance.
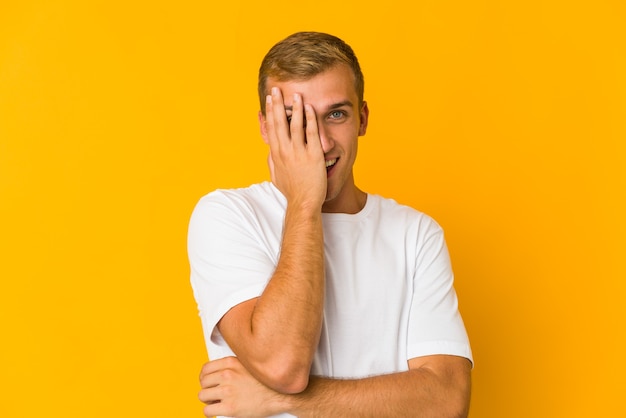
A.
x: 336, y: 114
x: 289, y: 119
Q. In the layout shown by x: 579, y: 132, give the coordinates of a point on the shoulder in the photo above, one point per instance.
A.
x: 252, y: 193
x: 255, y: 212
x: 390, y: 211
x: 239, y: 200
x: 234, y: 216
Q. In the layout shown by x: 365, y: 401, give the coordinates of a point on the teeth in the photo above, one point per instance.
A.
x: 331, y: 162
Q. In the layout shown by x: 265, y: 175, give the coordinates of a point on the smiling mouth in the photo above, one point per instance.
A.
x: 330, y: 164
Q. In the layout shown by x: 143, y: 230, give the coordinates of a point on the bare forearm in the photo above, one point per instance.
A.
x: 288, y: 316
x: 276, y: 335
x: 415, y: 393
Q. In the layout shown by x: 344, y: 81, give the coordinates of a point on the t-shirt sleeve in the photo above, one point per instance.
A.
x: 435, y: 323
x: 228, y: 263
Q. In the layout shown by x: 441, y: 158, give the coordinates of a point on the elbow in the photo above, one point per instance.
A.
x: 451, y: 408
x: 287, y: 378
x: 292, y: 385
x: 461, y: 412
x: 458, y: 405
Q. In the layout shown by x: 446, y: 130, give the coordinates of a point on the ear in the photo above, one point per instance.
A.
x: 364, y: 115
x: 263, y: 127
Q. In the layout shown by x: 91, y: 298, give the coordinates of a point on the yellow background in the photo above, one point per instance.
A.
x: 504, y: 120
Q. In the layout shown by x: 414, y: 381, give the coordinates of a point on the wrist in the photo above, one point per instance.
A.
x: 292, y: 404
x: 303, y: 210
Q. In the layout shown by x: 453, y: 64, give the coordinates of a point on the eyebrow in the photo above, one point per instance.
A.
x: 345, y: 103
x: 333, y: 106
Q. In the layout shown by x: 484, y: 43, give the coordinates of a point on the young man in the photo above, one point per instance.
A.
x: 316, y: 298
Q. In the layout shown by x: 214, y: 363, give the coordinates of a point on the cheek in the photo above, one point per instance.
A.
x: 344, y: 132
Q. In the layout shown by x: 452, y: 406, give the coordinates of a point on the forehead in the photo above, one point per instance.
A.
x: 334, y: 85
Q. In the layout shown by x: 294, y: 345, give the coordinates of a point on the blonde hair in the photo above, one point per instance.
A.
x: 304, y: 55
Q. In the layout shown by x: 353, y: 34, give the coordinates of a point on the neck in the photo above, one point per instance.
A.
x: 353, y: 205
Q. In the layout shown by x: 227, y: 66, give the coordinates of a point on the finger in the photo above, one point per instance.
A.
x: 215, y: 409
x: 210, y: 395
x: 312, y: 132
x: 211, y: 380
x: 281, y: 126
x: 202, y: 370
x: 297, y: 120
x: 269, y: 122
x: 215, y: 366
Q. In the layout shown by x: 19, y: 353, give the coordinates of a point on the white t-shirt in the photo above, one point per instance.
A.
x: 389, y: 293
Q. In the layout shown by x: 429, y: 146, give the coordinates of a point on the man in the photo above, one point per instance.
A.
x: 316, y: 298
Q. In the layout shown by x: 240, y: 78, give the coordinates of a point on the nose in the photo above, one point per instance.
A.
x: 325, y: 138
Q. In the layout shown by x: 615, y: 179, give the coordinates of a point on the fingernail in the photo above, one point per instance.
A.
x: 268, y: 99
x: 274, y: 91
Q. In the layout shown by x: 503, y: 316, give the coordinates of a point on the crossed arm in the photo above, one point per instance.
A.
x: 434, y: 386
x: 275, y: 336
